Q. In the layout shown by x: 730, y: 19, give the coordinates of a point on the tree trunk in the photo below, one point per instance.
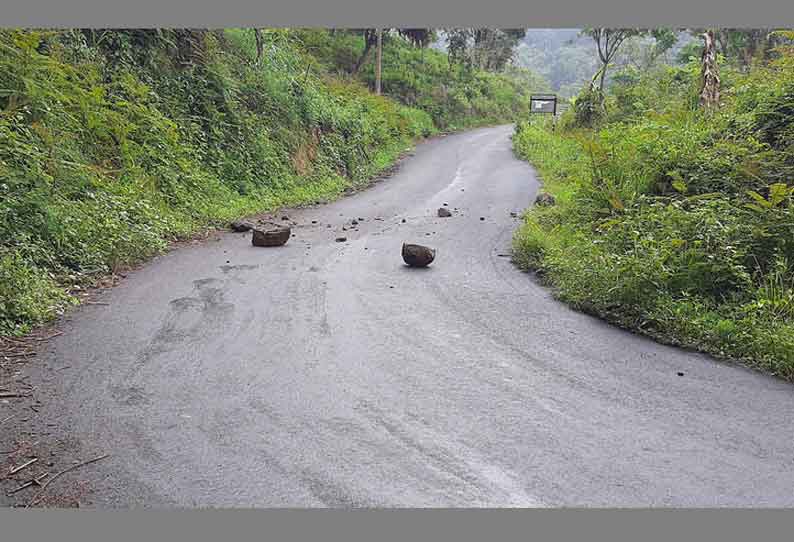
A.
x: 380, y: 60
x: 602, y: 78
x: 710, y: 90
x: 363, y: 57
x: 723, y: 41
x: 259, y: 44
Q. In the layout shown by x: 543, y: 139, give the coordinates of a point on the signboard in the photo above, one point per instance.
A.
x: 543, y: 103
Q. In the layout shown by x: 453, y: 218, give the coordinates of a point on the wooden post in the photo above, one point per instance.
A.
x: 380, y: 59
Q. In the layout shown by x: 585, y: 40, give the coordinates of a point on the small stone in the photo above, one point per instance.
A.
x: 680, y: 373
x: 403, y: 221
x: 544, y: 199
x: 482, y: 218
x: 284, y: 217
x: 314, y: 222
x: 514, y: 215
x: 354, y: 222
x: 443, y: 212
x: 341, y: 239
x: 241, y: 226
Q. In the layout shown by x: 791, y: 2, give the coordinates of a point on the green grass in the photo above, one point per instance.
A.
x: 673, y: 223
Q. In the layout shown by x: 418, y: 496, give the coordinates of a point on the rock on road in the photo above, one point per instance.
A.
x: 329, y: 374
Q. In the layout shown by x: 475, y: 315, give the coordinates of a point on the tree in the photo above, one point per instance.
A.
x: 484, y: 48
x: 370, y: 39
x: 664, y: 40
x: 645, y: 51
x: 420, y: 37
x: 743, y: 46
x: 710, y: 89
x: 380, y: 61
x: 259, y: 43
x: 608, y: 41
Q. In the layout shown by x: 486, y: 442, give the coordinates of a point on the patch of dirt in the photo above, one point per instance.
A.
x: 29, y: 453
x: 306, y: 154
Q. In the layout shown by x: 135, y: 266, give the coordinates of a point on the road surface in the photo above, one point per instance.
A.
x: 328, y: 374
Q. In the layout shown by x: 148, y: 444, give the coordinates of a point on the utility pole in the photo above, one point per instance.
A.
x: 378, y: 64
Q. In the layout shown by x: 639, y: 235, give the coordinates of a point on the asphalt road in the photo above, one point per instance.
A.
x: 328, y: 374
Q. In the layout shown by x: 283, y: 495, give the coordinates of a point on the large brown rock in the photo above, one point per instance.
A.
x: 270, y: 235
x: 418, y: 255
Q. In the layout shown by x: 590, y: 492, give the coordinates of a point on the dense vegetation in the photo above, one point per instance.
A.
x: 454, y: 94
x: 113, y: 143
x: 672, y: 220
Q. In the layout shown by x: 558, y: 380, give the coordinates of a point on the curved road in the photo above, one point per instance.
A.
x: 327, y: 373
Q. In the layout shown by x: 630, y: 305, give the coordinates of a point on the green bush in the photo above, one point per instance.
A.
x: 672, y: 222
x: 27, y: 295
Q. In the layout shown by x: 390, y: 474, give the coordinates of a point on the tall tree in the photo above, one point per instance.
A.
x: 484, y: 48
x: 608, y: 41
x: 379, y: 64
x: 420, y: 37
x: 743, y: 46
x: 370, y: 40
x: 710, y: 84
x: 259, y: 43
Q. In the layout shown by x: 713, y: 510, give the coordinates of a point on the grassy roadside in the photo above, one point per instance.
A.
x: 674, y: 224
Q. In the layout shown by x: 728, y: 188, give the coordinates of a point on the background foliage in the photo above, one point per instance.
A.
x: 672, y: 221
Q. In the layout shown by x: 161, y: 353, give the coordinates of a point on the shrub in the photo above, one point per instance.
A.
x: 671, y: 222
x: 28, y: 295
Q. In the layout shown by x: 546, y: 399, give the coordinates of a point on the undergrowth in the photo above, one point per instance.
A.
x: 673, y: 222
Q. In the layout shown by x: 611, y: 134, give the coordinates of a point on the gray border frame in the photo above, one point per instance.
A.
x: 561, y: 525
x: 431, y: 525
x: 405, y: 13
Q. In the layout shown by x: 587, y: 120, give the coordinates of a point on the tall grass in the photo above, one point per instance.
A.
x: 675, y: 223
